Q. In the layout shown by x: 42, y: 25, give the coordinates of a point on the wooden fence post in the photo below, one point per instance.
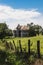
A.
x: 20, y: 46
x: 7, y: 45
x: 38, y: 48
x: 29, y: 47
x: 14, y: 45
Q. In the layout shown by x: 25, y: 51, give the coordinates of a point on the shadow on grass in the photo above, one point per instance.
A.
x: 18, y: 58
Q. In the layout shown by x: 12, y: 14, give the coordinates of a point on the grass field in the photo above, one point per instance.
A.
x: 21, y: 59
x: 24, y: 43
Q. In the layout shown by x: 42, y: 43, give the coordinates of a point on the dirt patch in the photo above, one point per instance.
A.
x: 38, y: 62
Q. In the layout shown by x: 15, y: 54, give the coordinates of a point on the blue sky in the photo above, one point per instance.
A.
x: 16, y: 12
x: 24, y: 4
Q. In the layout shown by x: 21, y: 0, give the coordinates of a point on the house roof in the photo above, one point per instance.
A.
x: 24, y: 27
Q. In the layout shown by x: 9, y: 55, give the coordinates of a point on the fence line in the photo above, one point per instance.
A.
x: 19, y: 49
x: 29, y: 47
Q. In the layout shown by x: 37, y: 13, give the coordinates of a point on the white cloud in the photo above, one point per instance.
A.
x: 19, y: 16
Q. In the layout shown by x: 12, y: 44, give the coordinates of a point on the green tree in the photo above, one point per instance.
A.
x: 4, y: 30
x: 38, y: 29
x: 8, y: 32
x: 34, y: 29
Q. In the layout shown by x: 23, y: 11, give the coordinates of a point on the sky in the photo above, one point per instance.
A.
x: 14, y: 12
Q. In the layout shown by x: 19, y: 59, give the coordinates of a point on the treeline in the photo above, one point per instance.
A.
x: 4, y: 30
x: 33, y: 30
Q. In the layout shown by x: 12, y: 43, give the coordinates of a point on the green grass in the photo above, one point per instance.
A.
x: 18, y: 59
x: 24, y: 42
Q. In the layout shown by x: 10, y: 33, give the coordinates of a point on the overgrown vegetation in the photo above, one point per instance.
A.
x: 14, y: 52
x: 10, y: 55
